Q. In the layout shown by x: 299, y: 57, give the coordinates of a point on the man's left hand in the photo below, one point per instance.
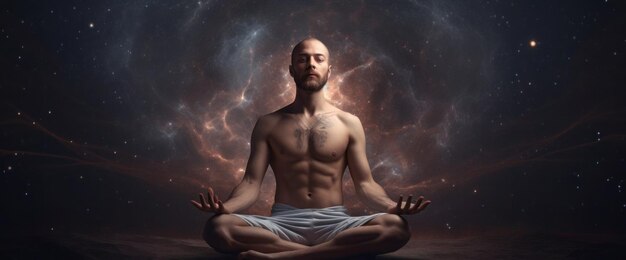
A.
x: 405, y: 208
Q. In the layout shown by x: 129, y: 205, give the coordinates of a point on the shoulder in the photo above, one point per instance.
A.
x: 350, y: 120
x: 266, y: 122
x: 354, y: 126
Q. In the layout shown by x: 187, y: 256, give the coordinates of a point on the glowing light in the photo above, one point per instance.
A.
x: 533, y: 43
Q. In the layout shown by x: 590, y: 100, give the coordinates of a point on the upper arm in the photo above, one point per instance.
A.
x: 259, y: 153
x: 356, y: 155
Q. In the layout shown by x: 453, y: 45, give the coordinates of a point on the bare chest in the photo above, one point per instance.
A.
x: 320, y: 138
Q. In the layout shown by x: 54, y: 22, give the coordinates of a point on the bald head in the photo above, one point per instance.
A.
x: 310, y: 43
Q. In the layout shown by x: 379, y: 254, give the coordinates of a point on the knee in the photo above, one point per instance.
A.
x: 397, y: 229
x: 217, y: 234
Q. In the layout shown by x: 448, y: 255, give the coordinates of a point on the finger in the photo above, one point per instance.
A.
x: 423, y: 206
x: 407, y: 204
x: 399, y: 204
x: 202, y: 201
x: 417, y: 204
x: 221, y: 209
x: 211, y: 198
x: 216, y: 198
x: 196, y: 204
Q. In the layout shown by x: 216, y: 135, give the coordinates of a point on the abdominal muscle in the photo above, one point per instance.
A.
x: 309, y: 189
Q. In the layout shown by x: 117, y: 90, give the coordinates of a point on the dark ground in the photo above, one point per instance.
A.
x: 134, y: 246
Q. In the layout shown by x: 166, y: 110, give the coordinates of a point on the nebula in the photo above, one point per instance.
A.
x: 168, y: 93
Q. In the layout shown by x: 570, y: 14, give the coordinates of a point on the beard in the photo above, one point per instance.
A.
x: 311, y: 84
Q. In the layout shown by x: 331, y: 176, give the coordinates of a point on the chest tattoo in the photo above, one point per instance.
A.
x: 314, y: 132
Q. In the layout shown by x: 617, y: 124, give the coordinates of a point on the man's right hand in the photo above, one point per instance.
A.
x: 214, y: 204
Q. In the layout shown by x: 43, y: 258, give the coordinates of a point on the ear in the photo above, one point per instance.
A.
x: 329, y: 69
x: 291, y: 72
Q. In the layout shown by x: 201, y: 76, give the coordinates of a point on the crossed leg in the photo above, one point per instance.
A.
x: 230, y: 234
x: 383, y: 234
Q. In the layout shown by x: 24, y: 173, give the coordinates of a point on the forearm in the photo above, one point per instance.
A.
x: 242, y: 196
x: 374, y: 196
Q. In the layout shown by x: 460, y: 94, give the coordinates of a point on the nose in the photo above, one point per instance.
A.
x: 310, y: 66
x: 310, y: 63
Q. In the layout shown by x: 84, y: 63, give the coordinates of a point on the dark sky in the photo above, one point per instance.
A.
x: 508, y: 115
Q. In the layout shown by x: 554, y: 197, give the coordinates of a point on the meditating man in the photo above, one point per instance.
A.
x: 308, y: 143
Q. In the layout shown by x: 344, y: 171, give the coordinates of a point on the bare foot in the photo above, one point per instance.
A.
x: 251, y: 254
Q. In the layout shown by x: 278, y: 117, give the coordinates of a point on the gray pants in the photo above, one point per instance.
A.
x: 307, y: 226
